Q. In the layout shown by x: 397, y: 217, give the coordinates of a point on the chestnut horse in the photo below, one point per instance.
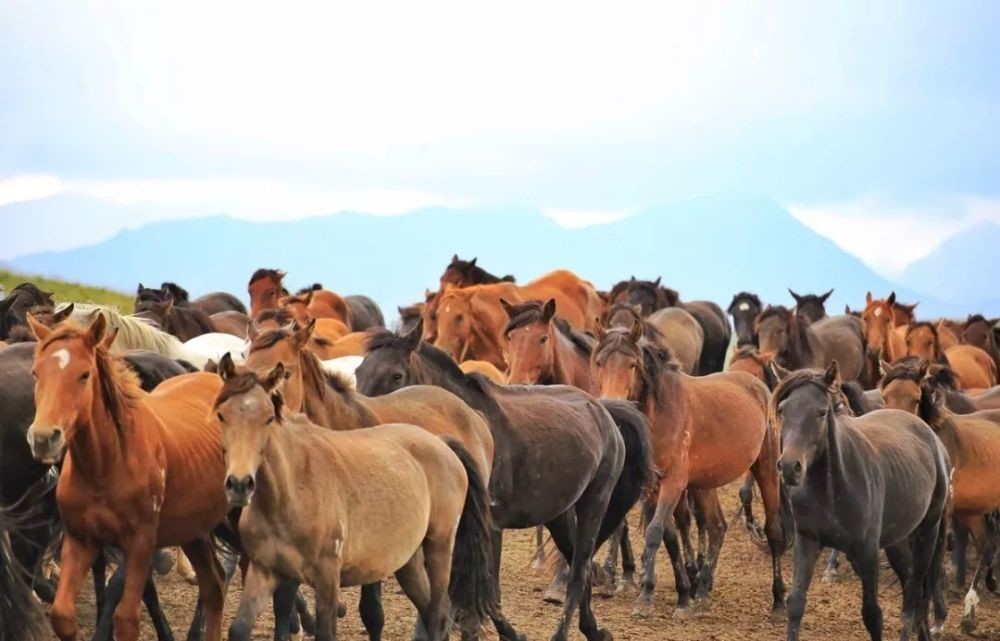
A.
x: 744, y: 309
x: 974, y: 368
x: 795, y: 344
x: 883, y: 338
x: 141, y: 471
x: 973, y: 443
x: 811, y: 307
x: 670, y: 327
x: 949, y: 332
x: 542, y: 349
x: 339, y: 509
x: 706, y: 432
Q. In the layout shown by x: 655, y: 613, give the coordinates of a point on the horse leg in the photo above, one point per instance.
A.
x: 628, y: 558
x: 682, y: 518
x: 184, y: 568
x: 437, y: 564
x: 99, y: 571
x: 901, y: 561
x: 328, y: 602
x: 107, y: 598
x: 568, y: 540
x: 503, y: 627
x: 286, y: 623
x: 151, y: 599
x: 866, y: 564
x: 76, y: 558
x: 138, y: 565
x: 987, y: 548
x: 370, y: 608
x: 610, y: 566
x: 260, y: 583
x: 765, y: 473
x: 415, y: 583
x: 661, y: 530
x: 208, y: 571
x: 958, y: 558
x: 538, y: 562
x: 715, y: 525
x: 832, y: 567
x: 306, y: 620
x: 556, y: 592
x: 804, y: 564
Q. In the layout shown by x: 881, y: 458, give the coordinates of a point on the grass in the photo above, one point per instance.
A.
x: 67, y: 291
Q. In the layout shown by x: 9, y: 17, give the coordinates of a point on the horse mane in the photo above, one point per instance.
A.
x: 179, y: 294
x: 242, y: 383
x: 533, y: 312
x: 657, y: 361
x: 976, y: 318
x: 749, y: 352
x: 799, y: 379
x: 274, y: 274
x: 649, y: 330
x: 939, y: 378
x: 856, y: 399
x: 269, y: 338
x: 278, y: 314
x: 473, y: 274
x: 313, y: 367
x: 34, y: 291
x: 134, y: 332
x: 748, y: 296
x: 315, y: 287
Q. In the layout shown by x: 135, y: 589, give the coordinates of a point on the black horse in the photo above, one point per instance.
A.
x: 560, y: 456
x: 811, y: 307
x: 744, y: 309
x: 858, y: 485
x: 22, y: 299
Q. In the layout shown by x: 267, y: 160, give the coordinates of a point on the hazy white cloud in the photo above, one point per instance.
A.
x: 28, y: 187
x: 888, y: 237
x: 576, y: 218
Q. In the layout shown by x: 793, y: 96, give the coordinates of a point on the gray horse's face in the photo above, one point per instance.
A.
x: 804, y: 417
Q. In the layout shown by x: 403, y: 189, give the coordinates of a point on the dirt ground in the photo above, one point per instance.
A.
x: 738, y: 612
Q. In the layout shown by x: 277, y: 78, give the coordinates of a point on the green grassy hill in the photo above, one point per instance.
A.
x: 66, y: 291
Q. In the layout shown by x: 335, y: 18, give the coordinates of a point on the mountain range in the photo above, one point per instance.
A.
x: 706, y: 249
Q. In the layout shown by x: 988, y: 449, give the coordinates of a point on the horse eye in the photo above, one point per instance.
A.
x: 543, y: 339
x: 269, y: 420
x: 458, y: 319
x: 84, y: 377
x: 397, y: 377
x: 220, y: 417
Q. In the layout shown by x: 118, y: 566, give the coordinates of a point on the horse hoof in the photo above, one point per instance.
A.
x: 937, y: 630
x: 297, y: 636
x: 643, y: 610
x: 554, y: 595
x: 682, y: 613
x: 968, y: 625
x: 778, y: 615
x: 601, y: 635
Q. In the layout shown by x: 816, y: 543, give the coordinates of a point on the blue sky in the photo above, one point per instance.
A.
x: 875, y: 125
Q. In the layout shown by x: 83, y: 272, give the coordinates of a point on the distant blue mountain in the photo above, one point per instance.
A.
x: 961, y: 269
x: 706, y: 249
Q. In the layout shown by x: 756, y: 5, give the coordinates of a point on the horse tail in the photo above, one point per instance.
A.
x: 638, y: 473
x: 473, y: 588
x: 20, y: 616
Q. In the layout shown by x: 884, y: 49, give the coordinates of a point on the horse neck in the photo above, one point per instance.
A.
x: 484, y: 343
x: 275, y: 475
x: 668, y: 416
x: 327, y: 406
x: 799, y: 350
x: 97, y: 448
x: 569, y: 366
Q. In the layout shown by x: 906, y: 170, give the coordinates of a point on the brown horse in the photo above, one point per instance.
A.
x: 330, y: 402
x: 903, y: 314
x: 465, y: 273
x: 973, y: 443
x: 795, y: 344
x: 183, y: 322
x: 881, y: 336
x: 706, y: 432
x: 266, y: 287
x: 670, y: 327
x: 340, y: 509
x: 949, y: 332
x: 141, y: 471
x: 542, y: 349
x: 468, y: 322
x: 231, y: 322
x: 980, y: 332
x: 974, y: 368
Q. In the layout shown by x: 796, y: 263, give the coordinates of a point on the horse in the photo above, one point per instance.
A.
x: 796, y: 344
x: 486, y: 369
x: 20, y: 617
x: 542, y: 349
x: 879, y: 481
x: 559, y: 452
x: 811, y: 307
x: 362, y: 312
x: 652, y: 296
x: 183, y: 322
x: 690, y: 418
x: 14, y: 308
x: 883, y: 338
x: 465, y: 273
x: 140, y: 470
x: 311, y: 490
x: 266, y: 287
x: 903, y: 314
x: 231, y: 322
x: 744, y: 308
x: 974, y: 367
x: 949, y: 332
x: 979, y: 332
x: 670, y: 327
x: 211, y: 303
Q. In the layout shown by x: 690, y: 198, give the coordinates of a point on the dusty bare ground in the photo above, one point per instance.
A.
x: 739, y: 609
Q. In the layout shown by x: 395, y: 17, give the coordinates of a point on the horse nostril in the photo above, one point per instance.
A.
x: 249, y: 484
x: 798, y: 466
x: 230, y: 482
x: 56, y: 435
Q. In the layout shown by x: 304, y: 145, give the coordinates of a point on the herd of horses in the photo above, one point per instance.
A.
x: 301, y: 442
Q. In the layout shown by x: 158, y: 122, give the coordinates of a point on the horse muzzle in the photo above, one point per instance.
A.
x: 47, y: 446
x: 792, y: 471
x: 239, y: 491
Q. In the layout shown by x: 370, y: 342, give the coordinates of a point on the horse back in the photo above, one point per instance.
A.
x: 842, y: 339
x: 681, y: 333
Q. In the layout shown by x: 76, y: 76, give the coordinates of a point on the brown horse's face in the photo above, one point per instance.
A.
x: 530, y: 353
x: 454, y: 326
x: 617, y: 372
x: 264, y: 294
x: 923, y: 343
x: 979, y: 334
x: 624, y: 316
x: 248, y: 421
x: 772, y: 334
x: 65, y: 372
x: 902, y: 394
x: 903, y: 314
x: 877, y: 320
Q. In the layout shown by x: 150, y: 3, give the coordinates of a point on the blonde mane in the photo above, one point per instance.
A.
x: 133, y: 332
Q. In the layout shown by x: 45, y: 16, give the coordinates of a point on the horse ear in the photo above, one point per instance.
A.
x: 924, y: 368
x: 631, y: 279
x: 636, y: 332
x: 109, y: 337
x: 868, y: 298
x: 549, y: 310
x: 226, y: 367
x: 307, y: 299
x: 825, y: 296
x: 138, y: 290
x: 472, y: 263
x: 656, y: 283
x: 303, y: 334
x: 63, y: 313
x: 454, y: 258
x: 416, y: 335
x: 280, y: 274
x: 847, y: 310
x: 40, y: 331
x: 832, y: 375
x: 275, y: 378
x: 507, y: 307
x: 779, y: 372
x: 599, y: 330
x: 798, y: 299
x: 883, y: 366
x: 96, y: 331
x: 892, y: 298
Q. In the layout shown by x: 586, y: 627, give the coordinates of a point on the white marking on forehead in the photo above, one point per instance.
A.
x: 744, y: 306
x: 62, y: 357
x: 447, y: 308
x: 878, y: 311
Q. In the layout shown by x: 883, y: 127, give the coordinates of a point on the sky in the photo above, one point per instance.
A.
x: 874, y: 124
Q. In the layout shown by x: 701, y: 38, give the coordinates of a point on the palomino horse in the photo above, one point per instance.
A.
x: 811, y: 307
x: 974, y: 368
x: 183, y: 322
x: 652, y: 296
x: 973, y: 443
x: 141, y: 470
x: 670, y: 327
x: 690, y: 418
x: 980, y: 332
x: 211, y: 303
x: 486, y: 369
x: 744, y: 309
x: 795, y: 344
x: 559, y: 452
x: 858, y: 485
x: 315, y: 516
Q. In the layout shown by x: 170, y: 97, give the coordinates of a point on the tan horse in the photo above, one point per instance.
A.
x: 973, y: 443
x: 670, y: 327
x: 949, y: 333
x: 974, y: 368
x: 337, y: 509
x: 706, y: 432
x: 328, y: 401
x: 141, y: 471
x: 486, y: 369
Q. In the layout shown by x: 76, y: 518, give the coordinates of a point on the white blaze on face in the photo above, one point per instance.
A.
x: 878, y: 311
x: 62, y: 357
x: 744, y: 306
